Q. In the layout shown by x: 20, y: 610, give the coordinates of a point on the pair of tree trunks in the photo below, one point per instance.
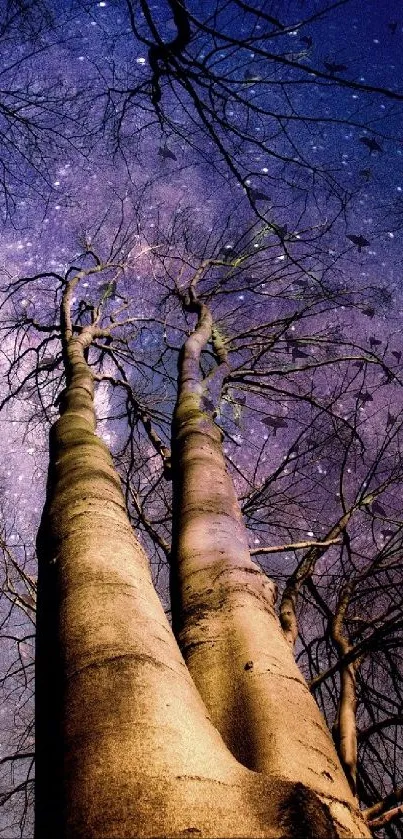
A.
x: 211, y: 733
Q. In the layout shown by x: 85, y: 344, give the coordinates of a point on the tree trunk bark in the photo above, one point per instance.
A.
x: 224, y: 618
x: 125, y: 746
x: 345, y: 725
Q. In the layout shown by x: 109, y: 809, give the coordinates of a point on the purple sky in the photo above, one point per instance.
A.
x: 92, y: 181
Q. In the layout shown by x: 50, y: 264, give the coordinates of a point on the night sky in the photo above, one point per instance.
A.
x: 85, y: 180
x: 310, y: 177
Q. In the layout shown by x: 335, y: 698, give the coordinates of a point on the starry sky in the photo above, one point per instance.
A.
x: 299, y: 163
x: 103, y: 156
x: 316, y: 179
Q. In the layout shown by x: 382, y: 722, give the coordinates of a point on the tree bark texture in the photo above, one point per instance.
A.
x: 345, y: 725
x: 224, y: 617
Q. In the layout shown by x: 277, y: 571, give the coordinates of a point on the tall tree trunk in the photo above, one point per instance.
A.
x: 125, y: 747
x: 224, y: 618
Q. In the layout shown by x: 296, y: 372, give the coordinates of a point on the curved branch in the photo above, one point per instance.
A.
x: 345, y: 726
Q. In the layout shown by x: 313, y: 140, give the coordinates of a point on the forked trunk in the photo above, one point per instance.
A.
x: 125, y: 747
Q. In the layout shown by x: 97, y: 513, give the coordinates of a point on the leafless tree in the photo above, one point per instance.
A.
x: 267, y: 360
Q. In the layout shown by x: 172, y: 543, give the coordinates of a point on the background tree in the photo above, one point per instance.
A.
x: 18, y: 606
